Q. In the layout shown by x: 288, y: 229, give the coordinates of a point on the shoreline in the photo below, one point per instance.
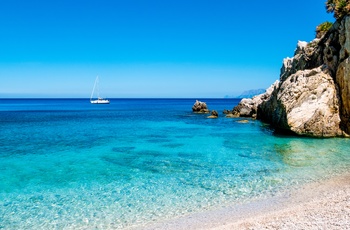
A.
x: 317, y: 205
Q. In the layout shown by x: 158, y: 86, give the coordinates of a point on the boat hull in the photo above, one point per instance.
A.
x: 103, y: 101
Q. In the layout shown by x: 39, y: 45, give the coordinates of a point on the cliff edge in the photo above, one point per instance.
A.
x: 312, y: 96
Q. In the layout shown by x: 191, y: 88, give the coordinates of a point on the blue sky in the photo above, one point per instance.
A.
x: 149, y: 48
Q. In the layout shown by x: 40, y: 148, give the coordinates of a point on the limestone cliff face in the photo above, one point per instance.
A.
x: 306, y: 103
x: 313, y: 95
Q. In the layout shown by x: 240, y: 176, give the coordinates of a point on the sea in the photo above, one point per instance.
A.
x: 69, y: 164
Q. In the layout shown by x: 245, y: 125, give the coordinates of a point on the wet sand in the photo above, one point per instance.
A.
x: 318, y: 205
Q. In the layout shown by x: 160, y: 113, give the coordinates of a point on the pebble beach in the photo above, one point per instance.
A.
x: 319, y: 205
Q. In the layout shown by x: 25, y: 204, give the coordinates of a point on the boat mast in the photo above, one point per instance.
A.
x: 98, y: 88
x: 93, y: 89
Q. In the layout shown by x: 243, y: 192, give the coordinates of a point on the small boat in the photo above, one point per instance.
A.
x: 99, y: 99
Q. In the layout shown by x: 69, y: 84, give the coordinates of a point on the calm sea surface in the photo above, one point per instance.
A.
x: 68, y: 164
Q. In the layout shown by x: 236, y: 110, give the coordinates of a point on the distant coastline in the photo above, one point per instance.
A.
x: 247, y: 94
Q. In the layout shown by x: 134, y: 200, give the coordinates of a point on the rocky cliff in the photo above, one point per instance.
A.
x: 312, y: 97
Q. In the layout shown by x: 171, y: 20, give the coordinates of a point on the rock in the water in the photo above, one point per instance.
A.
x: 214, y: 114
x: 248, y: 107
x: 200, y: 107
x: 230, y: 115
x: 245, y: 108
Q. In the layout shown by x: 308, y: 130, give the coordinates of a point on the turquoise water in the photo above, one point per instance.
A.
x: 67, y: 164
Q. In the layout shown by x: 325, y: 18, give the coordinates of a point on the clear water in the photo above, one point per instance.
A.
x: 67, y: 164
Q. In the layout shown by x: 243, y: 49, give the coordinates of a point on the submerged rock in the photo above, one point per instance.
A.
x: 230, y: 115
x: 243, y: 121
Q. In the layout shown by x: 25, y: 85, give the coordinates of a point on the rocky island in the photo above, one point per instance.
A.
x: 312, y: 96
x: 200, y: 107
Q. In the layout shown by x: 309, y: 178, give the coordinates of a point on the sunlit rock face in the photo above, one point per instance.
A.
x: 305, y: 103
x: 200, y: 107
x: 312, y: 97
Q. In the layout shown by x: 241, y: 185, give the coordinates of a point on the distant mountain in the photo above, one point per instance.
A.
x: 251, y: 93
x: 230, y: 96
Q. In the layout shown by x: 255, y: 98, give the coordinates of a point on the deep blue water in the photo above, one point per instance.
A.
x: 65, y: 163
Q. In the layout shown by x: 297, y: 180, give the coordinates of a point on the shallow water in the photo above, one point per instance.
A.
x: 69, y: 164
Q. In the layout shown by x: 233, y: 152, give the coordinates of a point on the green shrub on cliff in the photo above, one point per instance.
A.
x: 340, y: 8
x: 323, y: 28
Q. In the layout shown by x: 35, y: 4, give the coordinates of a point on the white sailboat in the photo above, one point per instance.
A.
x: 99, y: 99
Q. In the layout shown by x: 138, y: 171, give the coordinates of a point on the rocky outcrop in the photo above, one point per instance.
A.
x: 200, y: 107
x: 313, y: 95
x: 214, y: 114
x: 305, y: 103
x: 248, y: 107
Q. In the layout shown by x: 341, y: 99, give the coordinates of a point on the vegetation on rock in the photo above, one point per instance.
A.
x: 322, y: 29
x: 340, y: 8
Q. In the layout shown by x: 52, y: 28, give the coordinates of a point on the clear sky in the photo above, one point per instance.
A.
x: 149, y: 48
